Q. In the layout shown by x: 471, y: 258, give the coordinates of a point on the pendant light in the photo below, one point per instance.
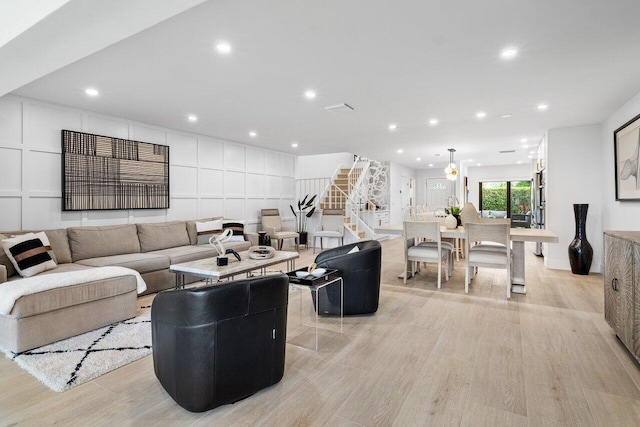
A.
x: 450, y: 170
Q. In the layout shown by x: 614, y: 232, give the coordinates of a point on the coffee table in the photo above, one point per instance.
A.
x: 207, y: 268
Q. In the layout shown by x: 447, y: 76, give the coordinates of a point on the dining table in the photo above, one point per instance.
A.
x: 519, y: 235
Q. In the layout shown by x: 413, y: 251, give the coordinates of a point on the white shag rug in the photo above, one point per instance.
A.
x: 76, y: 360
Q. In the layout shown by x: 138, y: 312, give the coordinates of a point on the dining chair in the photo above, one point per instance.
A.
x: 493, y: 251
x: 468, y: 213
x: 331, y: 225
x: 433, y: 251
x: 272, y: 224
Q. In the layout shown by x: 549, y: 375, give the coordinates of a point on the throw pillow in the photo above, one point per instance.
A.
x: 206, y: 229
x: 354, y: 250
x: 237, y: 228
x: 29, y: 253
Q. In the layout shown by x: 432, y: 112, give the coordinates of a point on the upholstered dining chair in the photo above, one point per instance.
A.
x: 272, y: 224
x: 468, y: 213
x: 431, y: 251
x: 331, y: 225
x: 493, y: 251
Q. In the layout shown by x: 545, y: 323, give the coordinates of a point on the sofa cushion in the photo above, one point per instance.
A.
x: 162, y: 235
x: 61, y: 268
x: 29, y: 253
x: 95, y: 242
x: 142, y: 263
x: 187, y: 253
x: 60, y: 244
x: 68, y: 296
x: 191, y: 228
x: 4, y: 259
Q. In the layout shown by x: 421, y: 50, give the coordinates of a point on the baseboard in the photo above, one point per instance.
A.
x: 556, y: 264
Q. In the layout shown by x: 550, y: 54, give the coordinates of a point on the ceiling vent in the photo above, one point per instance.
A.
x: 339, y: 108
x: 506, y: 151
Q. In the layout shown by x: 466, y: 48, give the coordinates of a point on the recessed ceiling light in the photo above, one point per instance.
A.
x: 92, y: 92
x: 532, y: 152
x: 525, y: 146
x: 399, y: 151
x: 192, y: 118
x: 509, y: 53
x: 542, y: 107
x: 393, y: 126
x: 294, y: 145
x: 471, y: 160
x: 529, y: 157
x: 310, y: 94
x: 506, y: 116
x: 433, y: 122
x: 519, y: 162
x: 418, y: 158
x: 481, y: 114
x: 524, y: 140
x: 478, y: 164
x: 437, y: 155
x: 223, y: 48
x: 430, y: 165
x: 253, y: 134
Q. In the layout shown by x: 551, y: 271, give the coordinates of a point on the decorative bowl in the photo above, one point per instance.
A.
x: 318, y: 272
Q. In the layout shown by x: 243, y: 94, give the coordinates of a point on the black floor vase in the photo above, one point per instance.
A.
x: 580, y: 250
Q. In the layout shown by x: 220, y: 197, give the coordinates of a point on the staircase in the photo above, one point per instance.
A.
x: 337, y: 196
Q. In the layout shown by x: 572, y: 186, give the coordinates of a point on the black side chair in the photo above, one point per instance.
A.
x: 219, y: 344
x: 361, y: 275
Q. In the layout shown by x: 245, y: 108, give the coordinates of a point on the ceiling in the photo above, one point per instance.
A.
x: 400, y: 62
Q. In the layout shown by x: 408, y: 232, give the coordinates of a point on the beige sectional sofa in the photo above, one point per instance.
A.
x: 149, y: 249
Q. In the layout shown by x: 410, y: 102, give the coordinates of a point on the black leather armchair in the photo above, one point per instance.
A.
x: 361, y: 274
x: 219, y: 344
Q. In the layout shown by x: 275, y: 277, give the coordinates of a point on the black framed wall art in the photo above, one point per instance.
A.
x: 105, y: 173
x: 627, y: 160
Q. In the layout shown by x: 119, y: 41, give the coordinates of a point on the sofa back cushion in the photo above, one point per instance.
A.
x: 163, y: 235
x: 193, y: 232
x: 4, y: 259
x: 94, y: 242
x: 60, y: 244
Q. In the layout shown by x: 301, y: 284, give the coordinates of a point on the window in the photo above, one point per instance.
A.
x: 505, y: 198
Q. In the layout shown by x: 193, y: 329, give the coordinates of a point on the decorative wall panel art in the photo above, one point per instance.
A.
x: 100, y: 173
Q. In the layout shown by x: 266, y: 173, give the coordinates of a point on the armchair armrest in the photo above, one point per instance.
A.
x: 288, y: 229
x: 3, y: 273
x: 271, y: 231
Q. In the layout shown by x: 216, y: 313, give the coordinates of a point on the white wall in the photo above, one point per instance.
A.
x: 321, y: 165
x: 617, y: 215
x: 397, y: 172
x: 208, y: 176
x: 574, y: 175
x: 477, y: 174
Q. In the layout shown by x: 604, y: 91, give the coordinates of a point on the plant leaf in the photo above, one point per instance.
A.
x: 311, y: 212
x: 294, y: 212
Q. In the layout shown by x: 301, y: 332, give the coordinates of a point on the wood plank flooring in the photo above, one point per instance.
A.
x: 427, y: 357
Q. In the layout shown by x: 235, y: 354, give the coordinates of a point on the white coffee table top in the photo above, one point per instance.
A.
x: 208, y: 267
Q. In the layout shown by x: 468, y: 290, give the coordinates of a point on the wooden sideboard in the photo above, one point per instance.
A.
x: 622, y: 286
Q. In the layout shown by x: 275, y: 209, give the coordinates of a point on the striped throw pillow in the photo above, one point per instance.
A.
x: 29, y: 253
x: 237, y: 228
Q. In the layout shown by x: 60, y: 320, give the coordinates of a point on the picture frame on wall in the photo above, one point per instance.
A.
x: 627, y: 160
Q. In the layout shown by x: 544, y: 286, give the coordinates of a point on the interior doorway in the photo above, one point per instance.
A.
x: 406, y: 197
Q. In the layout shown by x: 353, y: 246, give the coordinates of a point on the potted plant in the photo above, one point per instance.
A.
x: 304, y: 211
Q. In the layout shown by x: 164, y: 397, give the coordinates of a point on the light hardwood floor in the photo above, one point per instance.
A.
x: 427, y: 357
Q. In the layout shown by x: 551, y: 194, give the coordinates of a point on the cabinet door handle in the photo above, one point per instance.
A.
x: 614, y: 284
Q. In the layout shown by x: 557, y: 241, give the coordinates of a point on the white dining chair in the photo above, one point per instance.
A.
x: 493, y: 251
x: 431, y: 251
